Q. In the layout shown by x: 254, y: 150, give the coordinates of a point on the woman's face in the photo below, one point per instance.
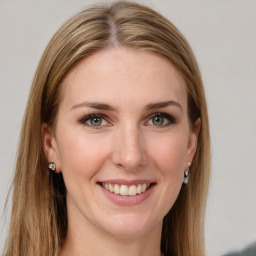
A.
x: 122, y: 141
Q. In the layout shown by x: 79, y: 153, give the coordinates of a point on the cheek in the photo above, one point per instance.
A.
x: 170, y: 154
x: 80, y: 155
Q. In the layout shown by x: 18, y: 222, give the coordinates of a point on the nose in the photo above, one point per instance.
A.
x: 129, y: 149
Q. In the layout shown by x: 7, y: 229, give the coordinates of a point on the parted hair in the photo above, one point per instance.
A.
x: 38, y: 224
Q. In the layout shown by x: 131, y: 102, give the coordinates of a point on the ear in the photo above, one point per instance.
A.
x: 192, y: 143
x: 50, y: 146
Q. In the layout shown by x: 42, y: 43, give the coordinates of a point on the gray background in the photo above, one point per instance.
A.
x: 223, y: 36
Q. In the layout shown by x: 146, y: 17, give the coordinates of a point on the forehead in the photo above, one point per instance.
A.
x: 125, y: 74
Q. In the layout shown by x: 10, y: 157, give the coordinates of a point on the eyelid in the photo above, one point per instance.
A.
x: 171, y: 120
x: 169, y: 117
x: 84, y: 119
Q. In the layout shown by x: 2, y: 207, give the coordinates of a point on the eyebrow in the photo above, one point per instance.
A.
x: 163, y: 105
x: 102, y: 106
x: 95, y: 105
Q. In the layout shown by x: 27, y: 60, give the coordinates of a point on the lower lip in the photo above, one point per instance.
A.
x: 127, y: 200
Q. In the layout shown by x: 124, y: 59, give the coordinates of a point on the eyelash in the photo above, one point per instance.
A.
x: 170, y: 119
x: 85, y: 119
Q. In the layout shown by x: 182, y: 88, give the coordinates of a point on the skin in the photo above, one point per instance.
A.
x: 128, y: 144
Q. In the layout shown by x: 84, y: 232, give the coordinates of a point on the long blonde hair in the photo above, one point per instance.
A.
x: 39, y: 219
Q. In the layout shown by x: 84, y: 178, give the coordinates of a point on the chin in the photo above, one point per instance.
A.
x: 130, y: 225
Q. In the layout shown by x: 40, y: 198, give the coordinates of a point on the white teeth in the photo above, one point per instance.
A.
x: 132, y: 190
x: 139, y: 189
x: 116, y: 189
x: 110, y: 188
x: 125, y: 190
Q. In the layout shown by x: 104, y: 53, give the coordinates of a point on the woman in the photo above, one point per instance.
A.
x: 117, y: 113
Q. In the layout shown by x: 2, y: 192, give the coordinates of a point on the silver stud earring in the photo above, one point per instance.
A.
x: 52, y: 167
x: 186, y: 175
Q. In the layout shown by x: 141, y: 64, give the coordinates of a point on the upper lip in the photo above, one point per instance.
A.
x: 127, y: 182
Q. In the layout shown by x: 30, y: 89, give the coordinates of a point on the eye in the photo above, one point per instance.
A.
x: 161, y: 119
x: 94, y: 120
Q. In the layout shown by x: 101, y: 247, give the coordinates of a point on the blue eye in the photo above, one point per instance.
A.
x: 94, y: 120
x: 161, y: 119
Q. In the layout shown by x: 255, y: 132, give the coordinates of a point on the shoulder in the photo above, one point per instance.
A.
x: 248, y: 251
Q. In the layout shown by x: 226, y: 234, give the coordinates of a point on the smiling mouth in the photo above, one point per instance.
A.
x: 125, y: 190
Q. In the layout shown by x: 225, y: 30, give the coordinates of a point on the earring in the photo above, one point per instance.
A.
x: 186, y: 175
x: 52, y: 167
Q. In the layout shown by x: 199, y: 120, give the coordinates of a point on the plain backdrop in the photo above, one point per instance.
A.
x: 223, y: 36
